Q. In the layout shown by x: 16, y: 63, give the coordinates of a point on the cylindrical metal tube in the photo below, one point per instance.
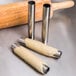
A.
x: 30, y: 58
x: 31, y: 19
x: 45, y: 23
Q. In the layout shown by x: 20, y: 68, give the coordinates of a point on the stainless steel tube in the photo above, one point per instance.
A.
x: 31, y: 19
x: 45, y: 23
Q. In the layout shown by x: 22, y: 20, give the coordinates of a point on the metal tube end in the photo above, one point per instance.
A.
x: 58, y: 55
x: 14, y: 45
x: 45, y: 69
x: 31, y: 2
x: 46, y: 5
x: 21, y: 41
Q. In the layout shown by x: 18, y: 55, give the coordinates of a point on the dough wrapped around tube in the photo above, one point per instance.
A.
x: 41, y: 48
x: 30, y: 58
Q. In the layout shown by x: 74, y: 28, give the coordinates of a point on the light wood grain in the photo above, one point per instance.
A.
x: 17, y: 13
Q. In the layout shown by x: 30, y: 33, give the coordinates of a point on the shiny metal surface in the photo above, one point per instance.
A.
x: 62, y: 35
x: 45, y: 23
x: 31, y: 19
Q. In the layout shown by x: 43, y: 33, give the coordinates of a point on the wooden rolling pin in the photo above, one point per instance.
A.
x: 41, y: 48
x: 17, y: 13
x: 30, y: 58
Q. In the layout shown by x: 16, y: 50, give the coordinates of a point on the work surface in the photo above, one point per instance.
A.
x: 62, y: 36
